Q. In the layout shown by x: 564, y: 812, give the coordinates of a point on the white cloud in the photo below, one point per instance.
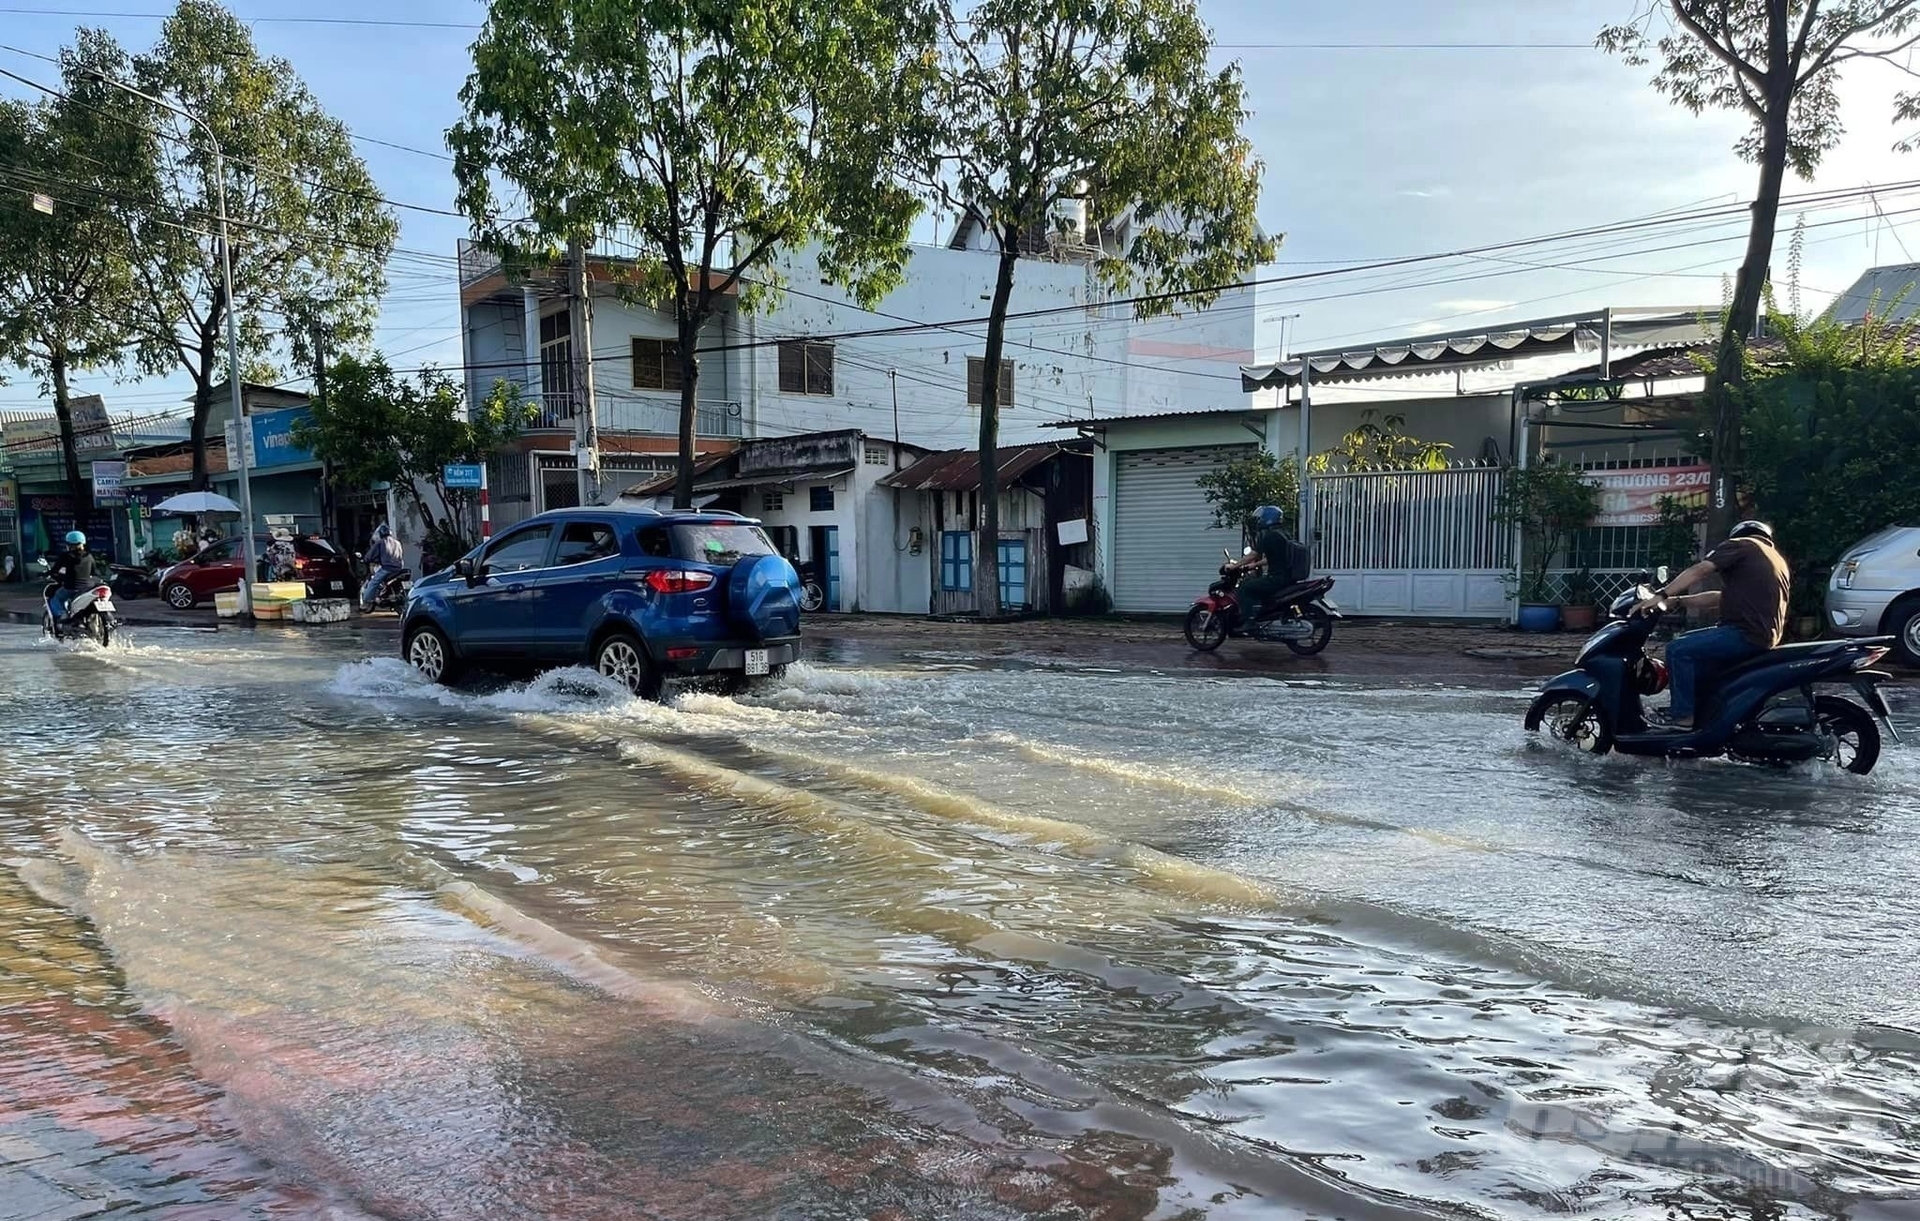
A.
x: 1435, y: 192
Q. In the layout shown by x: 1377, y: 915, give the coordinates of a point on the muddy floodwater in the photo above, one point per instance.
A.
x: 285, y: 932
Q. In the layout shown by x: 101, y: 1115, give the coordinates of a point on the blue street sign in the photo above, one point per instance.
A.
x: 463, y: 474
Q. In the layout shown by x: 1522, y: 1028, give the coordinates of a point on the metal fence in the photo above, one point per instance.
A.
x: 1440, y: 520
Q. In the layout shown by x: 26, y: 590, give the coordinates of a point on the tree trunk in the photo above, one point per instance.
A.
x: 689, y: 408
x: 1728, y: 383
x: 202, y: 408
x: 69, y: 444
x: 986, y: 560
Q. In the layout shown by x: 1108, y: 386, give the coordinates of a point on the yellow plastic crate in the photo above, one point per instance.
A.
x: 286, y: 591
x: 270, y: 608
x: 227, y: 605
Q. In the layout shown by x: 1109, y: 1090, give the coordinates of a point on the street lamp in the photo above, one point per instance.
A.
x: 242, y: 427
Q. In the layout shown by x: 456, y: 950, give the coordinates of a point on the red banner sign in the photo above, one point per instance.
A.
x: 1632, y: 497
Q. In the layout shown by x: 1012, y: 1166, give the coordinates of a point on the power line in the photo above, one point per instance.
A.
x: 375, y: 196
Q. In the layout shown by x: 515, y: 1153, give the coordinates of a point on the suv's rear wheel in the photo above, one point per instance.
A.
x: 1903, y: 624
x: 622, y: 658
x: 430, y: 652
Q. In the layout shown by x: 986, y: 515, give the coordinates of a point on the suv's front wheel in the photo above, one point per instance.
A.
x: 429, y: 651
x: 622, y: 658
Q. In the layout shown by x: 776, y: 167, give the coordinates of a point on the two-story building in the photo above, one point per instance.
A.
x: 909, y: 369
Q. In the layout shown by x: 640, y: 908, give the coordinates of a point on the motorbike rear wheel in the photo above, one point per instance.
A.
x: 1854, y: 737
x: 1570, y: 719
x: 100, y: 628
x: 1322, y: 633
x: 1205, y: 630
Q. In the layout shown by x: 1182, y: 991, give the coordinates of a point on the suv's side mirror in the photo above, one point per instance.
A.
x: 468, y: 569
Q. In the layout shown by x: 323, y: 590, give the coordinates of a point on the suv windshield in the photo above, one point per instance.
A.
x: 719, y: 542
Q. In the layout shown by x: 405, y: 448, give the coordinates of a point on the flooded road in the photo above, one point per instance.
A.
x: 285, y: 932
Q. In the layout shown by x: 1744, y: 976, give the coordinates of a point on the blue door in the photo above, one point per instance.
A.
x: 567, y: 596
x: 1013, y: 573
x: 492, y: 616
x: 826, y: 558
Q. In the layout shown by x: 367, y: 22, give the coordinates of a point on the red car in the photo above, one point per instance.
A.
x: 216, y: 568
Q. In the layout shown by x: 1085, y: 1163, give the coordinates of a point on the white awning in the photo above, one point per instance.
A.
x: 1627, y: 330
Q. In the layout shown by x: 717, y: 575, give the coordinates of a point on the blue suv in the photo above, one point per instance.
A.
x: 640, y: 596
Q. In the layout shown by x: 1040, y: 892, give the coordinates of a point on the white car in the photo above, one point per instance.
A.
x: 1875, y: 590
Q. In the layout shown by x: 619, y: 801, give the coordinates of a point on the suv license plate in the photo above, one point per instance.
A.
x: 756, y: 662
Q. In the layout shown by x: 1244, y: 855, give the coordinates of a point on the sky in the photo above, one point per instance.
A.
x: 1379, y: 140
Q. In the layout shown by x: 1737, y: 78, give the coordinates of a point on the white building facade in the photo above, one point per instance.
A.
x: 815, y: 361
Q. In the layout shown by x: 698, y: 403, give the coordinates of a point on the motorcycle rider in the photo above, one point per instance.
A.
x: 1753, y: 613
x: 385, y: 560
x: 73, y: 568
x: 1271, y: 549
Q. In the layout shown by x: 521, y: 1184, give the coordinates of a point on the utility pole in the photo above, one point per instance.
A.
x: 893, y: 376
x: 586, y: 429
x: 242, y: 424
x: 328, y: 505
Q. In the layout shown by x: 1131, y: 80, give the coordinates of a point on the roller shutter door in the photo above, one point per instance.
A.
x: 1165, y: 548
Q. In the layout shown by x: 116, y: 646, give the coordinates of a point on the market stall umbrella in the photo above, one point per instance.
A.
x: 196, y: 504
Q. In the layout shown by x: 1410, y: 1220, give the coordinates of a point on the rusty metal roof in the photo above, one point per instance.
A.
x: 958, y: 470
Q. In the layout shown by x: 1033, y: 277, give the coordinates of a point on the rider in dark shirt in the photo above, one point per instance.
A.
x: 73, y: 568
x: 1753, y: 613
x: 1271, y: 549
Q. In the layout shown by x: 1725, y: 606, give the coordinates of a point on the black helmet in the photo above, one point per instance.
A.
x: 1266, y: 517
x: 1752, y: 529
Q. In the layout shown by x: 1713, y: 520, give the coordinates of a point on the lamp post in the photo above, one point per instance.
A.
x: 242, y: 427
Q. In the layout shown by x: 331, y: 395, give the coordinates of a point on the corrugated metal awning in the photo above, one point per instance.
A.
x: 958, y: 470
x: 1627, y: 329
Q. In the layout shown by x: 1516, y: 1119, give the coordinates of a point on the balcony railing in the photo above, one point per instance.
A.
x: 712, y: 417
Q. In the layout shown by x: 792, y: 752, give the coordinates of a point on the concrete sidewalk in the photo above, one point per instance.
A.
x: 22, y: 604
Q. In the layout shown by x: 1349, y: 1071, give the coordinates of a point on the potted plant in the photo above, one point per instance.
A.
x: 1579, y: 614
x: 1547, y: 504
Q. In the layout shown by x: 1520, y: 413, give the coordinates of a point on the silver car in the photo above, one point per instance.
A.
x: 1875, y: 590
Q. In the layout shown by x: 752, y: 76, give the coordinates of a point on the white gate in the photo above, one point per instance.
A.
x: 1166, y: 549
x: 1418, y: 543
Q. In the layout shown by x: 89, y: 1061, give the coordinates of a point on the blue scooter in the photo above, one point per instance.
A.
x: 1764, y: 710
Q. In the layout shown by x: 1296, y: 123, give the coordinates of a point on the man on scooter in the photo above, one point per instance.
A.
x: 73, y: 568
x: 1271, y: 548
x: 1753, y: 613
x: 384, y: 560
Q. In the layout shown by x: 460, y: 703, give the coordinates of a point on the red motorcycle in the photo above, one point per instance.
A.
x: 1300, y: 616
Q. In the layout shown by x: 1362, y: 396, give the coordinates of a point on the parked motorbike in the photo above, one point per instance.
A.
x: 1764, y: 710
x: 1300, y: 616
x: 89, y: 614
x: 813, y: 593
x: 131, y: 581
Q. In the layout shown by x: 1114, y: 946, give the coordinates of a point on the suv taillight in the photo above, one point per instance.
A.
x: 675, y: 581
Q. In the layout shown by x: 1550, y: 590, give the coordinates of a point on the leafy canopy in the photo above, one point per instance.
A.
x: 1381, y: 444
x: 66, y: 274
x: 1767, y: 58
x: 310, y: 233
x: 1113, y: 104
x: 1236, y: 489
x: 695, y: 137
x: 373, y: 427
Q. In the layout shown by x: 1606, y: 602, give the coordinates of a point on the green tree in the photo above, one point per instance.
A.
x: 1778, y: 62
x: 1547, y: 504
x: 1382, y: 444
x: 714, y: 134
x: 1112, y: 105
x: 66, y: 277
x: 309, y: 231
x: 375, y: 427
x: 1244, y: 484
